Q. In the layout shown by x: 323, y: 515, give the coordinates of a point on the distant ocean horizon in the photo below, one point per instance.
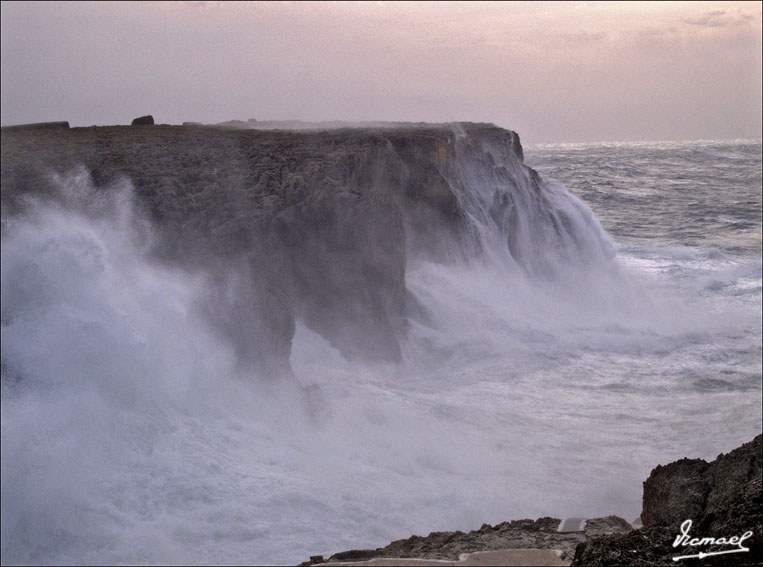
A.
x: 608, y: 142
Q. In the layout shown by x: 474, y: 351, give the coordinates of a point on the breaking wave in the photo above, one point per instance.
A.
x: 546, y: 378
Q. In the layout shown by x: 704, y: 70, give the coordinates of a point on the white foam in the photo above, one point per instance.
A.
x: 128, y: 436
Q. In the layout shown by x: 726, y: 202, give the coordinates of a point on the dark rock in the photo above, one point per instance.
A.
x: 519, y: 534
x: 354, y: 555
x: 637, y: 548
x: 516, y: 145
x: 719, y: 497
x: 675, y: 492
x: 606, y: 526
x: 723, y: 498
x: 147, y: 120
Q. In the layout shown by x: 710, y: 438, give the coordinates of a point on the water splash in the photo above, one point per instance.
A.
x: 534, y: 387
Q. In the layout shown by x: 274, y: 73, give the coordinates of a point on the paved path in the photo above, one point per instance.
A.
x: 508, y: 557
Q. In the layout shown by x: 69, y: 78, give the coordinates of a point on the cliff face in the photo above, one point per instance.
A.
x: 316, y: 225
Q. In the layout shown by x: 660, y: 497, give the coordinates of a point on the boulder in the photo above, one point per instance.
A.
x: 147, y: 120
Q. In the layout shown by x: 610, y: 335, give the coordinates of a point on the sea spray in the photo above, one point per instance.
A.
x: 131, y: 434
x: 545, y: 228
x: 108, y: 379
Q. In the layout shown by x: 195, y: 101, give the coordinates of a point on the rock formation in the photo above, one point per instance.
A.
x: 147, y: 120
x: 315, y: 225
x: 519, y: 534
x: 723, y: 498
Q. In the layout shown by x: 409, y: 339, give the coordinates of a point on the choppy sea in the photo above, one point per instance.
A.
x: 128, y: 437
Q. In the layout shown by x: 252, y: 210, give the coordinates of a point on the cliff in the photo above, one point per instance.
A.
x: 316, y: 225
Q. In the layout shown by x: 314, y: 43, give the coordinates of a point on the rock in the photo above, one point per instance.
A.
x: 719, y: 497
x: 516, y: 145
x: 675, y: 492
x: 723, y: 499
x: 606, y: 526
x: 637, y: 548
x: 519, y: 534
x: 147, y: 120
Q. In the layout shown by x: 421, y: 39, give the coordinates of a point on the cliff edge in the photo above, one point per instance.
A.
x: 317, y: 225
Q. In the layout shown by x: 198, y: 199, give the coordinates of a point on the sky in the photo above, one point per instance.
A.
x: 554, y: 72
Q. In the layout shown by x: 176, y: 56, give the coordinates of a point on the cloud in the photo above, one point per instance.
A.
x: 714, y: 19
x: 525, y: 66
x: 721, y: 18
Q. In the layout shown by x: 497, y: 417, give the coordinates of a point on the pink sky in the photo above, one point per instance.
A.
x: 554, y: 72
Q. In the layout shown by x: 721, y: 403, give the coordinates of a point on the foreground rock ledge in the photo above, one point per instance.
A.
x: 519, y: 535
x: 723, y: 498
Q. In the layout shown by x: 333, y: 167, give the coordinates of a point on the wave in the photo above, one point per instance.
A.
x: 539, y: 375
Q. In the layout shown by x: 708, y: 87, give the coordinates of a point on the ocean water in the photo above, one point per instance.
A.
x: 129, y: 435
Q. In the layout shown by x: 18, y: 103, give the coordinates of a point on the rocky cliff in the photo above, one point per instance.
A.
x: 317, y: 225
x: 723, y: 499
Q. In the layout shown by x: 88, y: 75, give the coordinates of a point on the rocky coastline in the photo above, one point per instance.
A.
x: 722, y: 498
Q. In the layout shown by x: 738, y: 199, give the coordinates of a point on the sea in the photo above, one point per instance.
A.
x: 129, y: 435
